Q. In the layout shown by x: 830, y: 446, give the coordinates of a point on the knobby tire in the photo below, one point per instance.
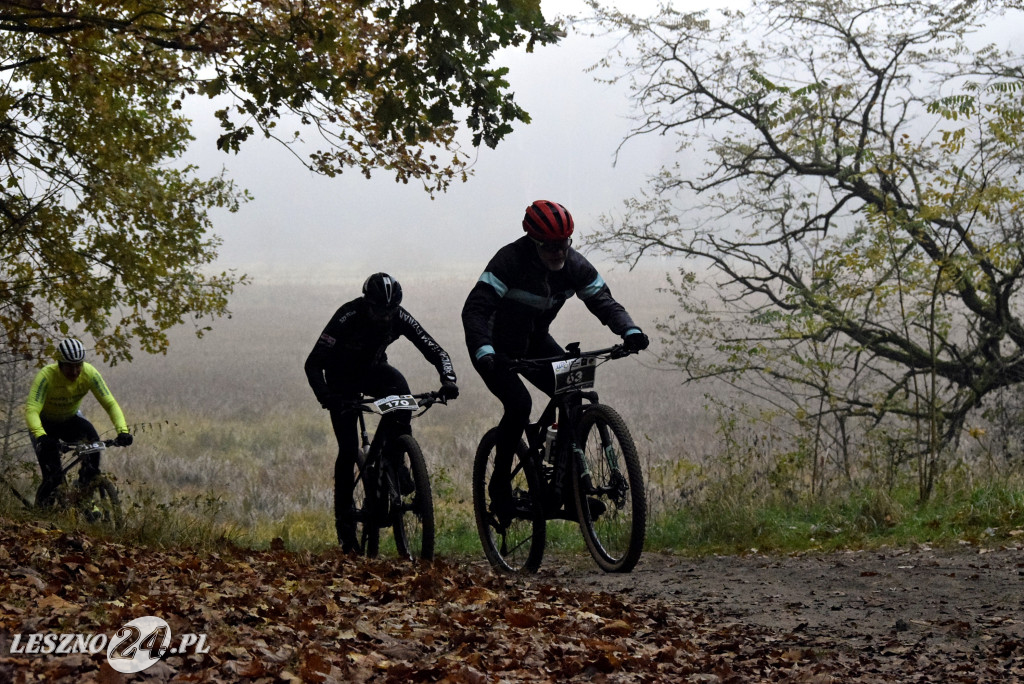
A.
x: 615, y: 538
x: 414, y: 517
x: 99, y: 502
x: 517, y: 544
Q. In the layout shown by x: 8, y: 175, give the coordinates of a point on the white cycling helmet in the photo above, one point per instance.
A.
x: 71, y: 351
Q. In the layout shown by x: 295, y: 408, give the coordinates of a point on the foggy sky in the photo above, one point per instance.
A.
x: 312, y: 227
x: 349, y: 224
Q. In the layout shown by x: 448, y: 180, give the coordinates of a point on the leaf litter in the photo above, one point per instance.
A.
x: 281, y: 616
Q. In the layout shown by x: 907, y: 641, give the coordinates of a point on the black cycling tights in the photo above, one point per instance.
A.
x: 515, y: 398
x: 74, y: 429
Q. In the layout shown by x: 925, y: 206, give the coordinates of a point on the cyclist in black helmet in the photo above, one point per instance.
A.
x: 52, y: 414
x: 350, y: 359
x: 510, y: 309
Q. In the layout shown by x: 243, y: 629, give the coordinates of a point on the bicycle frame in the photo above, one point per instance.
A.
x: 397, y: 491
x: 574, y: 379
x: 592, y: 477
x: 79, y: 494
x: 384, y: 406
x: 81, y: 450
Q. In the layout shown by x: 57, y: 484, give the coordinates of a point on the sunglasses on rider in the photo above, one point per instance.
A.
x: 380, y: 312
x: 554, y: 246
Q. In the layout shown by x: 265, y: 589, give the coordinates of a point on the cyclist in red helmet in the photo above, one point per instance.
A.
x: 350, y: 358
x: 510, y: 309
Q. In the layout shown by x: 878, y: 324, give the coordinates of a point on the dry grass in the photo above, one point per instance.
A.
x: 231, y: 441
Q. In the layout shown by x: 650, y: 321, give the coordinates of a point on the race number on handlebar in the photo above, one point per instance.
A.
x: 575, y: 370
x: 395, y: 402
x: 574, y: 374
x: 86, y: 449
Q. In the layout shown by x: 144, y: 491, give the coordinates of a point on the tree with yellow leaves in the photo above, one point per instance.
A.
x: 102, y: 227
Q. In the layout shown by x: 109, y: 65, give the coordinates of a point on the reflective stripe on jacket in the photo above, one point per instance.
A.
x: 516, y: 298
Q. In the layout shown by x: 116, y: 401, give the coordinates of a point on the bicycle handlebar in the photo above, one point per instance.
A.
x: 572, y: 351
x: 428, y: 399
x: 424, y: 399
x: 65, y: 447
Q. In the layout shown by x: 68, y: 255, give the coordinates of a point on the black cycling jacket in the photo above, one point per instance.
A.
x: 514, y: 302
x: 352, y: 343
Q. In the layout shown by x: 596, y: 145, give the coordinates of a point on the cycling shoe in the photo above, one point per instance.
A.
x: 405, y: 483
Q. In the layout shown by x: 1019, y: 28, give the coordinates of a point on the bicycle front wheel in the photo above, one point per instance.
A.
x: 100, y: 502
x: 413, y: 503
x: 513, y: 539
x: 610, y: 499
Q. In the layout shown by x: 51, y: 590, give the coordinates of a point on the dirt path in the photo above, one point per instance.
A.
x: 951, y: 600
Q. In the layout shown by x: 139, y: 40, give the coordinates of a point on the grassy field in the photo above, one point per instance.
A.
x: 229, y: 433
x: 230, y: 442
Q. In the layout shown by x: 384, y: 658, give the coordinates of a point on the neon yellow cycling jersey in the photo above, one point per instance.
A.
x: 57, y: 399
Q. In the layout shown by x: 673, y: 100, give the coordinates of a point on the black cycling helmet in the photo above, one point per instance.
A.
x: 70, y: 351
x: 382, y: 291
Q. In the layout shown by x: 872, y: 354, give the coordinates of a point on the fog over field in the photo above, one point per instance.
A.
x: 231, y: 414
x: 252, y: 363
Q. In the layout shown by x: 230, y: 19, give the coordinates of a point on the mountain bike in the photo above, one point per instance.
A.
x: 391, y: 485
x: 96, y: 500
x: 578, y: 462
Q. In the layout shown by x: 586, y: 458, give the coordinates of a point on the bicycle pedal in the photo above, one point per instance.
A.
x: 499, y: 524
x: 568, y: 511
x: 522, y: 509
x: 503, y: 513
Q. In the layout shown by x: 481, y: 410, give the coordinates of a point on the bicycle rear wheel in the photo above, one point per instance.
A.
x: 412, y: 504
x: 513, y: 542
x: 611, y: 503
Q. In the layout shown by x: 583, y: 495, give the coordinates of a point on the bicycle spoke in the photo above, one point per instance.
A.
x: 515, y: 548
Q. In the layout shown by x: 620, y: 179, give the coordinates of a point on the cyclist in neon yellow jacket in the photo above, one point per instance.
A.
x: 52, y: 414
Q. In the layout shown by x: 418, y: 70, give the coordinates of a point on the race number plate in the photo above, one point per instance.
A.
x: 396, y: 402
x: 574, y: 374
x: 92, y: 448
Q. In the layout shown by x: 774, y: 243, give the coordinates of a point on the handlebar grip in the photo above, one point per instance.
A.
x: 431, y: 398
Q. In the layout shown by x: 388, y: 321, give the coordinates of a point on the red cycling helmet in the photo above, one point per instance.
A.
x: 547, y: 221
